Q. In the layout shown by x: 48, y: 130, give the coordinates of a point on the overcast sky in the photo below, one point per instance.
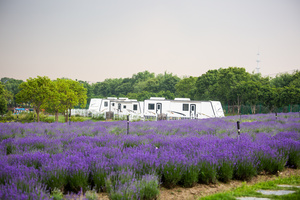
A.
x: 94, y: 40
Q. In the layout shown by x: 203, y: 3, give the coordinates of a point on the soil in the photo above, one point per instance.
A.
x: 201, y: 190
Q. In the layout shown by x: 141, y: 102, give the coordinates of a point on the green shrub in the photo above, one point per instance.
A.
x: 172, y: 173
x: 76, y: 119
x: 225, y: 171
x: 190, y: 176
x: 9, y: 115
x: 244, y: 170
x: 77, y: 181
x: 56, y: 194
x: 207, y: 173
x: 91, y: 195
x: 98, y: 177
x: 98, y: 117
x: 125, y: 185
x: 56, y: 179
x: 271, y: 164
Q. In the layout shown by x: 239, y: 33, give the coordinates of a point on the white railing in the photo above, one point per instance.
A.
x: 80, y: 112
x: 132, y: 117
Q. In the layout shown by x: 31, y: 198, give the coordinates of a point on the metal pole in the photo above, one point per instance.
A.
x: 238, y: 129
x: 127, y: 124
x: 276, y: 115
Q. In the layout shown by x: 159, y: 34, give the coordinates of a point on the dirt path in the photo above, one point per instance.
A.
x: 201, y: 190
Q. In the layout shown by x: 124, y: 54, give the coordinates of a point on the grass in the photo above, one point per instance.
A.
x: 250, y: 191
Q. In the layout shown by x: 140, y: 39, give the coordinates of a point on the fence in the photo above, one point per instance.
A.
x: 80, y: 112
x: 258, y: 109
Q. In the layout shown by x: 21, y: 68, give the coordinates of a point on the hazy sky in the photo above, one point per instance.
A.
x: 94, y: 40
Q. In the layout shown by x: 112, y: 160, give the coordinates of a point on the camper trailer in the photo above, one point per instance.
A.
x: 156, y: 108
x: 182, y: 108
x: 113, y: 106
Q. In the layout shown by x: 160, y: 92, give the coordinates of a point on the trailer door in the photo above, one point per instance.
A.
x: 193, y: 111
x: 158, y: 108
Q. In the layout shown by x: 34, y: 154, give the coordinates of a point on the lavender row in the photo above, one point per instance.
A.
x: 37, y: 158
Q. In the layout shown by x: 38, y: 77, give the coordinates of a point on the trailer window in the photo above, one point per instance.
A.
x: 134, y: 106
x: 113, y: 104
x: 185, y: 107
x: 124, y: 106
x: 151, y: 106
x: 105, y: 103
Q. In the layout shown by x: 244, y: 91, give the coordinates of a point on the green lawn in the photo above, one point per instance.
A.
x: 250, y: 191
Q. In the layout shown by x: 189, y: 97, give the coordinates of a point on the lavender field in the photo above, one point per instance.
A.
x: 37, y: 159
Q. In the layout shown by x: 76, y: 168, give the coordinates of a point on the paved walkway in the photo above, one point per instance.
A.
x: 271, y: 192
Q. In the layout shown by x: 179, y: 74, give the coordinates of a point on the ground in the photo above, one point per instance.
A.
x: 201, y: 190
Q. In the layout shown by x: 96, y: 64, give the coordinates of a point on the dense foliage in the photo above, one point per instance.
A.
x: 58, y: 96
x: 39, y: 159
x: 3, y: 102
x: 231, y: 86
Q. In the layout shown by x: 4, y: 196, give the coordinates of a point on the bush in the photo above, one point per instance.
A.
x: 190, y: 176
x: 55, y: 179
x: 25, y: 117
x: 225, y: 171
x: 244, y: 170
x: 98, y: 117
x: 56, y: 194
x: 45, y: 118
x: 9, y: 116
x: 77, y: 181
x: 76, y: 119
x: 125, y: 185
x: 294, y: 158
x: 207, y: 173
x: 172, y: 173
x: 99, y: 176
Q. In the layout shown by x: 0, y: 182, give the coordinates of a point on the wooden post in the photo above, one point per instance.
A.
x: 127, y: 124
x: 238, y: 129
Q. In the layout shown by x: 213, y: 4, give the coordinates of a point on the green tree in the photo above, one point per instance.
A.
x: 249, y: 92
x: 267, y: 96
x: 186, y: 87
x: 35, y: 91
x: 9, y: 97
x: 151, y: 85
x: 12, y: 87
x: 167, y: 81
x: 144, y: 95
x: 58, y: 94
x: 287, y: 96
x: 281, y: 80
x: 3, y: 103
x: 206, y: 86
x: 124, y: 88
x: 167, y: 94
x: 227, y: 80
x: 131, y: 95
x: 89, y: 90
x: 75, y: 94
x: 140, y: 87
x: 142, y: 76
x: 296, y: 79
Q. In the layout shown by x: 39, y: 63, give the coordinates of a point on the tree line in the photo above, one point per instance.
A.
x: 231, y: 86
x: 58, y: 96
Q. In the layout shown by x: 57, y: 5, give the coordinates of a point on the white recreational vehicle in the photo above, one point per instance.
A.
x: 116, y: 106
x: 157, y: 108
